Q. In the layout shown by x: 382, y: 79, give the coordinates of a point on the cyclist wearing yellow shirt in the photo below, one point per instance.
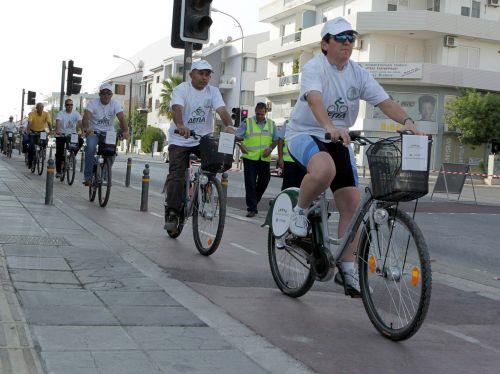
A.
x: 38, y: 121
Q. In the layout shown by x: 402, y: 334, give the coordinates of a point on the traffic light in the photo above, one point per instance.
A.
x: 195, y: 21
x: 236, y: 116
x: 73, y: 82
x: 31, y: 98
x: 244, y: 114
x: 175, y: 35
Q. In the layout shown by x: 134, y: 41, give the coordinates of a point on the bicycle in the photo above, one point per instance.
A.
x: 39, y: 153
x: 204, y: 196
x: 392, y: 255
x: 9, y: 145
x: 101, y: 172
x: 68, y: 166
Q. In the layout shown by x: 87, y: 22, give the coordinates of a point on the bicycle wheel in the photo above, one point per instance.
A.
x: 105, y: 183
x: 290, y: 267
x: 70, y: 168
x: 209, y: 215
x: 395, y: 276
x: 40, y: 160
x: 34, y: 162
x: 175, y: 233
x: 63, y: 168
x: 94, y: 182
x: 9, y: 149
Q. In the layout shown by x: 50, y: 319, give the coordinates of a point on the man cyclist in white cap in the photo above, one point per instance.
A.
x: 192, y: 104
x: 330, y: 90
x: 99, y: 117
x: 9, y: 126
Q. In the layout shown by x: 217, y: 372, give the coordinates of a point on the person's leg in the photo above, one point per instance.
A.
x: 347, y: 200
x: 31, y: 148
x: 178, y: 164
x: 250, y: 174
x: 60, y: 142
x: 92, y: 141
x: 263, y: 178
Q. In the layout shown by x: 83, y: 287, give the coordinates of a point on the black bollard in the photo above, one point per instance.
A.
x: 145, y: 189
x: 129, y: 170
x: 50, y: 182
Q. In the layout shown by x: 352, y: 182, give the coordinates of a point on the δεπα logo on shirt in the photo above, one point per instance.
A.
x: 338, y: 110
x: 197, y: 116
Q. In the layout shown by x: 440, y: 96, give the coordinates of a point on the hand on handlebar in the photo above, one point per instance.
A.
x: 339, y: 134
x: 125, y: 134
x: 183, y: 131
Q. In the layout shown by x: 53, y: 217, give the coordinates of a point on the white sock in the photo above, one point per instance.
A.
x: 299, y: 210
x: 347, y: 266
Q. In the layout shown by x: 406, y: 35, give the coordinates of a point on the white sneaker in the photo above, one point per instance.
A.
x: 350, y: 280
x: 298, y: 224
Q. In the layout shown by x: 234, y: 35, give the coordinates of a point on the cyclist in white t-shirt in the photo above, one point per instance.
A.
x: 9, y: 126
x: 67, y: 121
x: 192, y: 103
x: 99, y: 118
x: 331, y: 88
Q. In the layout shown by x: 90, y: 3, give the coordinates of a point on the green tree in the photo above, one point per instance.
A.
x: 166, y: 95
x: 138, y: 122
x: 476, y: 116
x: 150, y: 135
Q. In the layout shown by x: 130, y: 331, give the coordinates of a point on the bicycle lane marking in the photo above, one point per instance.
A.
x: 244, y: 248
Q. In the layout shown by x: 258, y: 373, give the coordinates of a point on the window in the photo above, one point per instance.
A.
x: 120, y: 89
x: 157, y: 103
x: 472, y: 10
x: 293, y: 102
x: 150, y: 103
x: 392, y: 5
x: 249, y: 63
x: 468, y: 57
x: 149, y: 88
x: 465, y: 11
x: 433, y: 5
x: 157, y: 79
x: 168, y: 71
x: 476, y: 9
x: 247, y: 98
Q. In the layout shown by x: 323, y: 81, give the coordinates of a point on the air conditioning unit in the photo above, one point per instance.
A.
x: 449, y: 41
x: 494, y: 3
x: 358, y: 44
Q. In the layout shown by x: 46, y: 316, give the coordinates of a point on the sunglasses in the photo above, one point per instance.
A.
x: 69, y: 105
x: 342, y: 38
x: 107, y: 93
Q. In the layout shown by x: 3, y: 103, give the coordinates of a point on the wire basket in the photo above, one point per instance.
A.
x: 105, y: 149
x: 72, y: 146
x: 211, y: 160
x: 389, y: 182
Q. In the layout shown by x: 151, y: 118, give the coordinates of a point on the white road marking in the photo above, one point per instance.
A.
x: 468, y: 339
x: 244, y: 248
x: 156, y: 214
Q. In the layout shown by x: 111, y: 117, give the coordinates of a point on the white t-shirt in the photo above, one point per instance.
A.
x: 9, y: 126
x: 103, y: 115
x: 68, y: 121
x: 341, y: 91
x: 197, y: 112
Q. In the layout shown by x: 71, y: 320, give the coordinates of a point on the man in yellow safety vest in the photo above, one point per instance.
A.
x: 260, y: 136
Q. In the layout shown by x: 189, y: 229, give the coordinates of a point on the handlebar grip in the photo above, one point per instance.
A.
x: 191, y: 132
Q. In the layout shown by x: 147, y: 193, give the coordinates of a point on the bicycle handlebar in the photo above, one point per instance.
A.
x: 191, y: 132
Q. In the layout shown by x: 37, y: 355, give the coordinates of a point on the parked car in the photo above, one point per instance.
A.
x: 164, y: 153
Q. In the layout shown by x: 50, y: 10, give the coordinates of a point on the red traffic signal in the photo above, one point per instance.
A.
x: 244, y: 114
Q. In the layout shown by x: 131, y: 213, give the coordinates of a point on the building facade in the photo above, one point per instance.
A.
x: 421, y: 51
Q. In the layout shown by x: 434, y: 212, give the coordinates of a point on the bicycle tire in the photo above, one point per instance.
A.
x: 9, y: 150
x: 279, y: 277
x: 34, y: 162
x: 63, y: 168
x: 40, y: 161
x: 213, y: 243
x: 371, y: 271
x: 178, y: 230
x: 70, y: 168
x: 93, y: 184
x: 105, y: 178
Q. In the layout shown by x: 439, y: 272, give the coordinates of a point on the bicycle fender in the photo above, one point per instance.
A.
x: 278, y: 215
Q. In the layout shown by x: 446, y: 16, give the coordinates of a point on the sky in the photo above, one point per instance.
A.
x: 37, y: 35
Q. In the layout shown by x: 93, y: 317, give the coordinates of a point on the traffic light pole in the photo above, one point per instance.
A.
x: 22, y: 110
x: 61, y: 100
x: 188, y: 59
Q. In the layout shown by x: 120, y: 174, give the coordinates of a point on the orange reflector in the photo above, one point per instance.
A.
x: 372, y: 263
x: 415, y: 275
x: 209, y: 241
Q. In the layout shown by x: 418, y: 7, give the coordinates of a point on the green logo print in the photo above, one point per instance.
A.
x: 197, y: 116
x: 338, y: 110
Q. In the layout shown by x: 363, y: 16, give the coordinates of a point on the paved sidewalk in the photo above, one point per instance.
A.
x: 75, y: 298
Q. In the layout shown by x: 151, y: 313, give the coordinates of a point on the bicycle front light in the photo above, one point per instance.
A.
x: 380, y: 216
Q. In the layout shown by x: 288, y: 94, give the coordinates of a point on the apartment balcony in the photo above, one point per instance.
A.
x: 278, y: 86
x: 305, y: 39
x: 425, y: 24
x: 280, y: 9
x: 226, y: 82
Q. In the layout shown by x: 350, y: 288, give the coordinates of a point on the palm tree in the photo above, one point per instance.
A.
x: 166, y: 95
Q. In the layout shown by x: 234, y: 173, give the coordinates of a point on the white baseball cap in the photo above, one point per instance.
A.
x: 201, y: 65
x: 106, y: 86
x: 336, y: 26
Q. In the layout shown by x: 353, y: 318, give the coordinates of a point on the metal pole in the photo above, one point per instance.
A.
x: 50, y: 182
x: 131, y: 129
x: 22, y: 109
x: 81, y: 103
x: 63, y: 74
x: 188, y: 59
x: 82, y: 159
x: 145, y: 189
x: 129, y: 170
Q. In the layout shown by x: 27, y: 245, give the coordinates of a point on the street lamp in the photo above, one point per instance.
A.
x: 242, y: 37
x: 141, y: 64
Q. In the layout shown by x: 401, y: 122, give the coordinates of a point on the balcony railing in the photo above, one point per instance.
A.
x: 226, y: 81
x: 291, y: 38
x: 289, y: 79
